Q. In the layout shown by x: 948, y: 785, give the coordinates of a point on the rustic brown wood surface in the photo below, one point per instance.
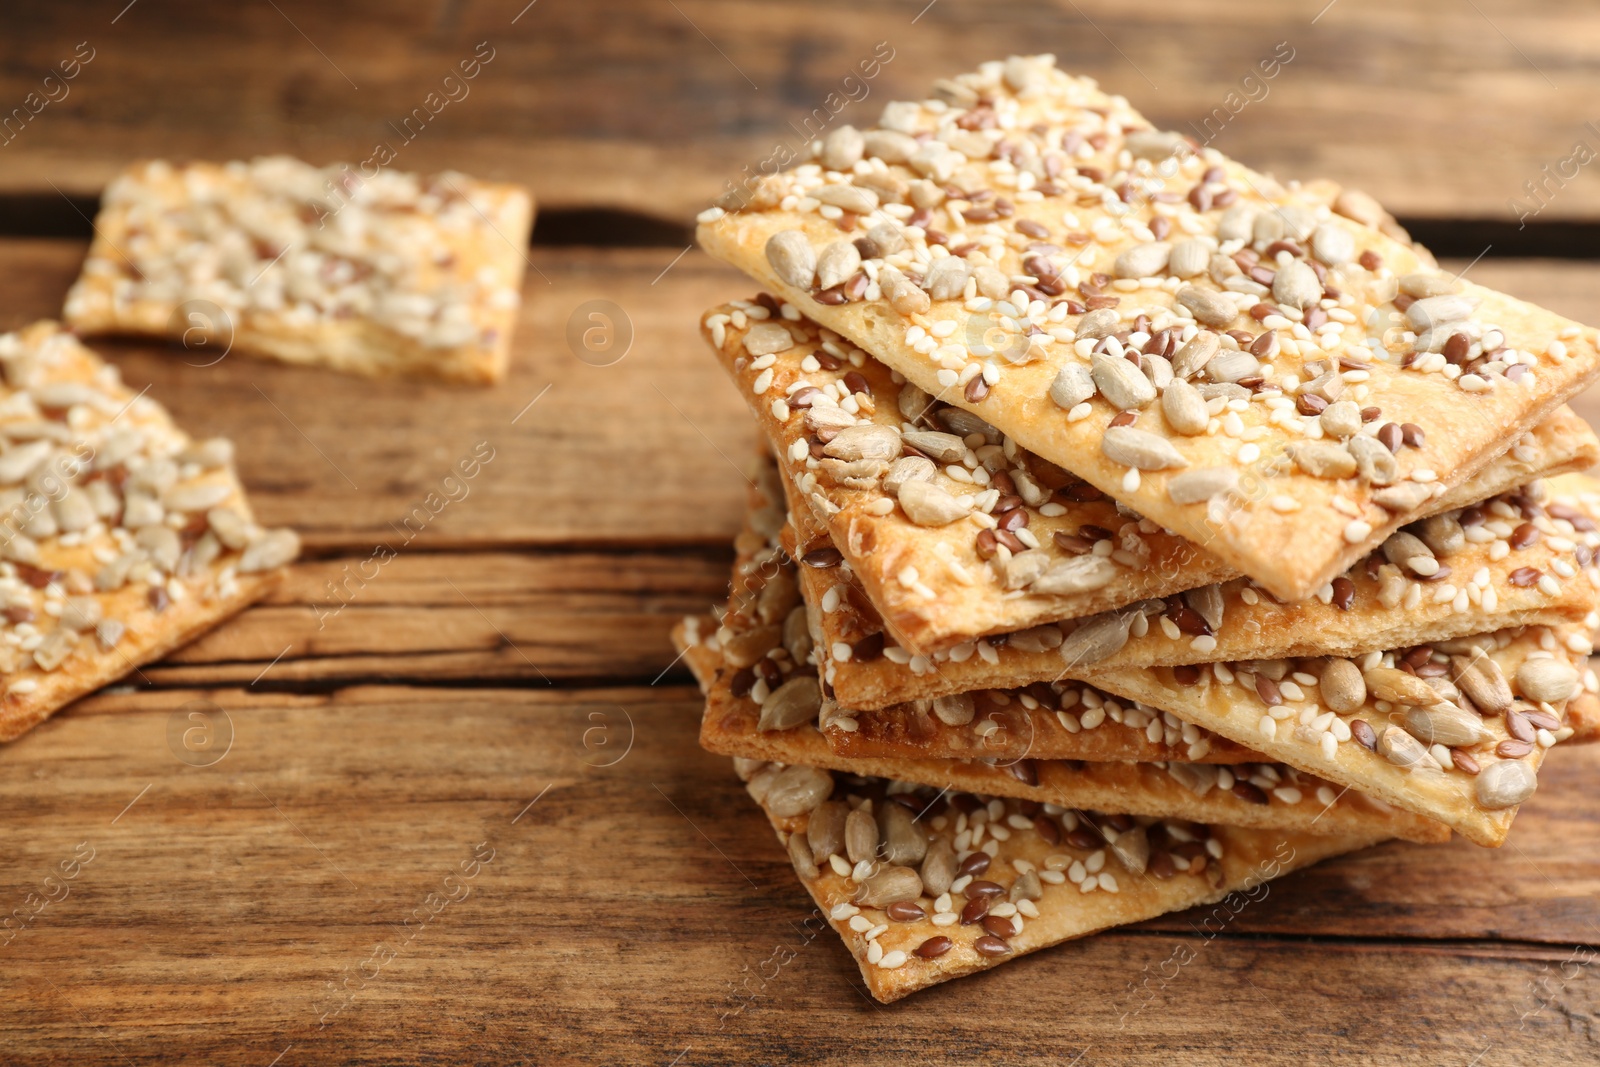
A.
x: 292, y: 886
x: 651, y: 106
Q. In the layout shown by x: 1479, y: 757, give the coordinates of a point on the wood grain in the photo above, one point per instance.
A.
x: 1438, y: 108
x: 636, y: 906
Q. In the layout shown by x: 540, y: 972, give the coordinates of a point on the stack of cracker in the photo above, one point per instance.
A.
x: 1134, y: 528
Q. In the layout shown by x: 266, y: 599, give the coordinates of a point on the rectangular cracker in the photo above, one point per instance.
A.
x: 120, y: 537
x: 1034, y: 879
x: 1017, y: 179
x: 1258, y: 795
x: 936, y: 587
x: 373, y: 274
x: 1481, y: 585
x: 1470, y: 787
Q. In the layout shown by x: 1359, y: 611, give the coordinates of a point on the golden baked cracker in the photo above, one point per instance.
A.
x: 1009, y: 244
x: 1031, y: 528
x: 1454, y: 730
x: 1488, y: 577
x: 377, y: 274
x: 120, y: 537
x: 1264, y: 795
x: 945, y: 904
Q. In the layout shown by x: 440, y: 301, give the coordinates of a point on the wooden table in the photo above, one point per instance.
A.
x: 461, y: 815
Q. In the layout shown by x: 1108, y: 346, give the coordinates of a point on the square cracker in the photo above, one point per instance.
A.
x: 1489, y: 577
x: 1400, y: 729
x: 1037, y: 881
x: 937, y: 587
x: 968, y: 240
x: 121, y: 538
x: 391, y: 273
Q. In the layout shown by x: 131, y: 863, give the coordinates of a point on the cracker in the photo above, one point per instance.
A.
x: 1284, y: 710
x: 385, y: 274
x: 1488, y: 577
x: 989, y: 247
x: 939, y: 586
x: 121, y: 538
x: 1038, y: 883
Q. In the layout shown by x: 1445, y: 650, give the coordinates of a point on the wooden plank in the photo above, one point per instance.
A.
x: 461, y: 616
x: 1438, y: 108
x: 641, y: 911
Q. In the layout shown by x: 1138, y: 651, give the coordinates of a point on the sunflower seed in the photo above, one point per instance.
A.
x: 746, y: 647
x: 943, y: 447
x: 826, y: 829
x: 794, y: 703
x: 1547, y: 680
x: 1322, y: 459
x: 853, y: 474
x: 1236, y: 223
x: 902, y: 295
x: 1398, y: 687
x: 273, y: 549
x: 848, y: 198
x: 868, y: 441
x: 1132, y: 847
x: 927, y: 504
x: 1443, y: 534
x: 796, y: 790
x: 1423, y: 284
x: 1099, y: 323
x: 1212, y: 309
x: 764, y: 338
x: 1121, y: 382
x: 1208, y: 601
x: 1222, y: 269
x: 1333, y: 245
x: 913, y: 403
x: 1197, y: 778
x: 1405, y: 751
x: 1432, y: 311
x: 1342, y: 687
x: 1184, y: 408
x: 1142, y: 261
x: 1189, y: 257
x: 1198, y: 486
x: 1505, y: 784
x: 1298, y: 222
x: 827, y: 421
x: 947, y: 278
x: 800, y: 855
x: 908, y: 469
x: 1029, y: 887
x: 1073, y: 385
x: 884, y: 239
x: 903, y: 843
x: 1296, y: 285
x: 1374, y: 462
x: 1342, y: 419
x: 965, y: 424
x: 1079, y: 574
x: 837, y: 263
x: 1402, y: 499
x: 842, y: 148
x: 789, y: 252
x: 1268, y: 227
x: 1232, y: 365
x: 1141, y: 449
x: 1482, y: 680
x: 1096, y: 639
x: 1354, y: 204
x: 992, y: 283
x: 1024, y: 567
x: 55, y: 649
x: 1042, y: 638
x: 1445, y: 724
x: 1194, y: 355
x: 954, y: 710
x: 1154, y: 145
x: 1402, y: 548
x: 19, y: 462
x: 891, y: 146
x: 860, y: 836
x: 938, y: 868
x: 888, y: 886
x: 797, y: 635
